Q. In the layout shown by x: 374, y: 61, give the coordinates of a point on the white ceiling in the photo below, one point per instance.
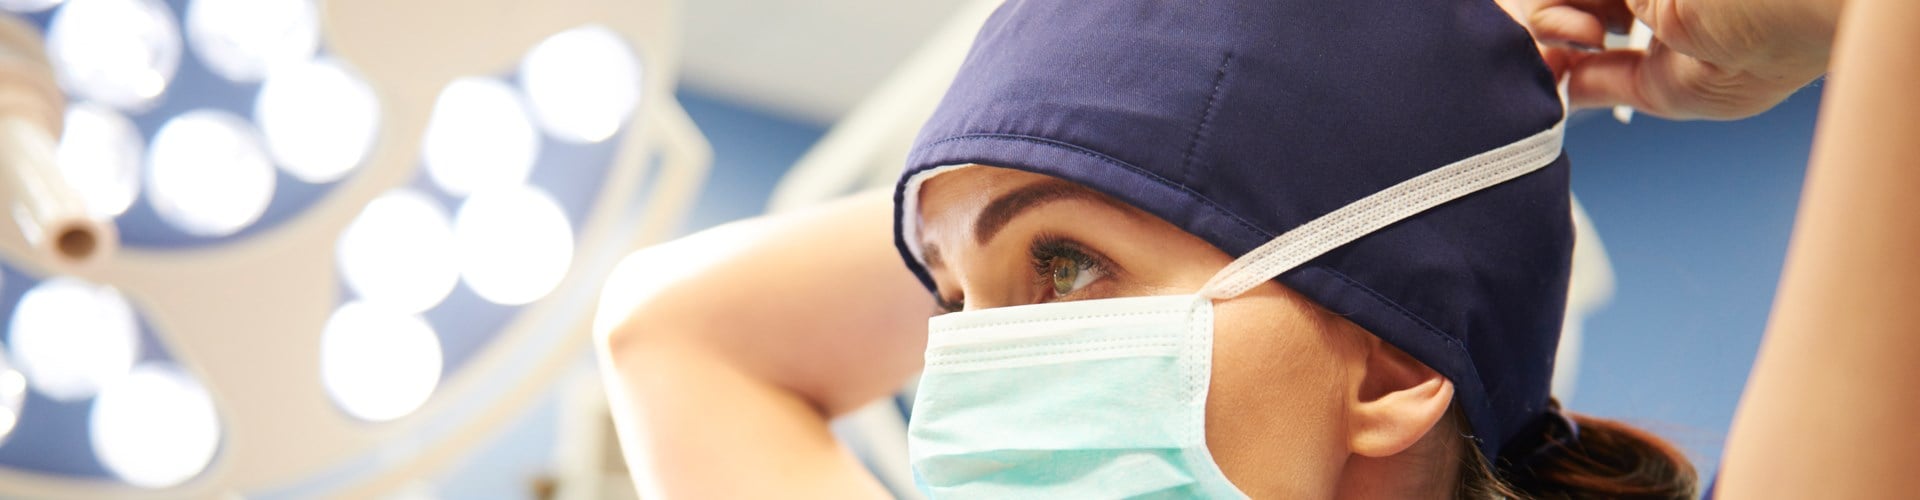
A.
x: 806, y: 59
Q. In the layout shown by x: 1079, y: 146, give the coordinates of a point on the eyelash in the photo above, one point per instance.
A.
x: 1047, y: 246
x: 1044, y: 248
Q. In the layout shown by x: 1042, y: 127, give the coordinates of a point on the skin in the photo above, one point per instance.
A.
x: 1827, y: 410
x: 730, y: 367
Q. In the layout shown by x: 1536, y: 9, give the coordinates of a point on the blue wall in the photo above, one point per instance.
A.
x: 1696, y: 217
x: 751, y: 151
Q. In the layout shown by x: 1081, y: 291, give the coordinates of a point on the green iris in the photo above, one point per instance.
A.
x: 1065, y: 273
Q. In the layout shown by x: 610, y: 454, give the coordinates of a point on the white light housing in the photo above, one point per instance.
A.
x: 243, y: 40
x: 207, y: 173
x: 118, y: 52
x: 514, y: 245
x: 156, y: 427
x: 70, y: 337
x: 479, y: 137
x: 399, y: 252
x: 583, y: 83
x: 99, y: 155
x: 378, y: 363
x: 318, y: 118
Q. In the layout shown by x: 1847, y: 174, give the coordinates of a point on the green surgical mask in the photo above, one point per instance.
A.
x: 1087, y: 399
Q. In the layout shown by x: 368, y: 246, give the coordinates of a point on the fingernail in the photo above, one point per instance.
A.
x: 1580, y: 46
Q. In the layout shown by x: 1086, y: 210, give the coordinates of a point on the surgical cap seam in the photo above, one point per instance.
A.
x: 1459, y: 347
x: 1395, y: 306
x: 1206, y: 116
x: 1210, y: 204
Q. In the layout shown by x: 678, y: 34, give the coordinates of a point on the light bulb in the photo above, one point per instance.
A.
x: 513, y: 245
x: 156, y: 427
x: 378, y: 363
x: 118, y: 52
x: 399, y: 252
x: 478, y: 137
x: 207, y: 173
x: 318, y: 118
x: 582, y: 83
x: 13, y: 392
x: 244, y: 40
x: 71, y: 337
x: 99, y: 155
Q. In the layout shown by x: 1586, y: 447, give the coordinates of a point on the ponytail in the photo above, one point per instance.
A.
x: 1606, y: 459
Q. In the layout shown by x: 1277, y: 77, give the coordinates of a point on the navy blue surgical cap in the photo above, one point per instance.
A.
x: 1238, y: 120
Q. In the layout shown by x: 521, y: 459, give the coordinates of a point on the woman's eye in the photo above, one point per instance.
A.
x: 1069, y: 275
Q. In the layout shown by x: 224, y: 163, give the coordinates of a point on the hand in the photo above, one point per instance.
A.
x: 1713, y: 59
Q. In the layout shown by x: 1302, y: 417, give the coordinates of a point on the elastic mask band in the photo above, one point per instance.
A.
x: 1403, y: 200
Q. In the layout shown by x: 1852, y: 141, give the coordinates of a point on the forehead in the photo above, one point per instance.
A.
x: 978, y: 201
x: 957, y: 195
x: 949, y: 202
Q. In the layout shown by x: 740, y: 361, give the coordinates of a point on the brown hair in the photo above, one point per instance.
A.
x: 1609, y: 459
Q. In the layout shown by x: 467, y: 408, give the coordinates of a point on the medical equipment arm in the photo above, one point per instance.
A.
x: 1828, y: 411
x: 51, y: 215
x: 732, y: 348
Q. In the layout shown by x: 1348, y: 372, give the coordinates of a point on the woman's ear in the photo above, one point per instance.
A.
x: 1394, y: 402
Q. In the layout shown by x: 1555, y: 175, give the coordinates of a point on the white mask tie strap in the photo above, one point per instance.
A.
x: 1383, y: 208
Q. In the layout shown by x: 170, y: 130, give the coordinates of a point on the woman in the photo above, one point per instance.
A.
x: 1097, y: 196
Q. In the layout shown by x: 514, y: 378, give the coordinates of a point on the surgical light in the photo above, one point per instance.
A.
x: 582, y: 83
x: 71, y: 338
x: 207, y: 173
x: 99, y: 155
x: 513, y: 244
x: 156, y: 427
x: 396, y: 252
x: 243, y: 40
x: 479, y: 137
x: 318, y: 118
x: 119, y: 52
x: 378, y: 363
x: 354, y: 250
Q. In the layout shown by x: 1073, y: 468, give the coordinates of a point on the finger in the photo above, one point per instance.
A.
x: 1559, y: 59
x: 1567, y: 25
x: 1609, y: 78
x: 1613, y: 14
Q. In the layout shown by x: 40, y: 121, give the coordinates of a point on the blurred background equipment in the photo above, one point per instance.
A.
x: 313, y: 248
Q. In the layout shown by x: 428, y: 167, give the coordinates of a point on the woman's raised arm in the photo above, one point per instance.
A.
x: 725, y: 353
x: 1829, y: 408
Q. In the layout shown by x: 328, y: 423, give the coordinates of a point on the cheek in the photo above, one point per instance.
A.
x: 1274, y: 407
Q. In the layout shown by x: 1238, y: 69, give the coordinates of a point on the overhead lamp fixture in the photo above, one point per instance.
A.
x: 331, y: 246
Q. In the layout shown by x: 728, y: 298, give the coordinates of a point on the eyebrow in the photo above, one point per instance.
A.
x: 1007, y: 207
